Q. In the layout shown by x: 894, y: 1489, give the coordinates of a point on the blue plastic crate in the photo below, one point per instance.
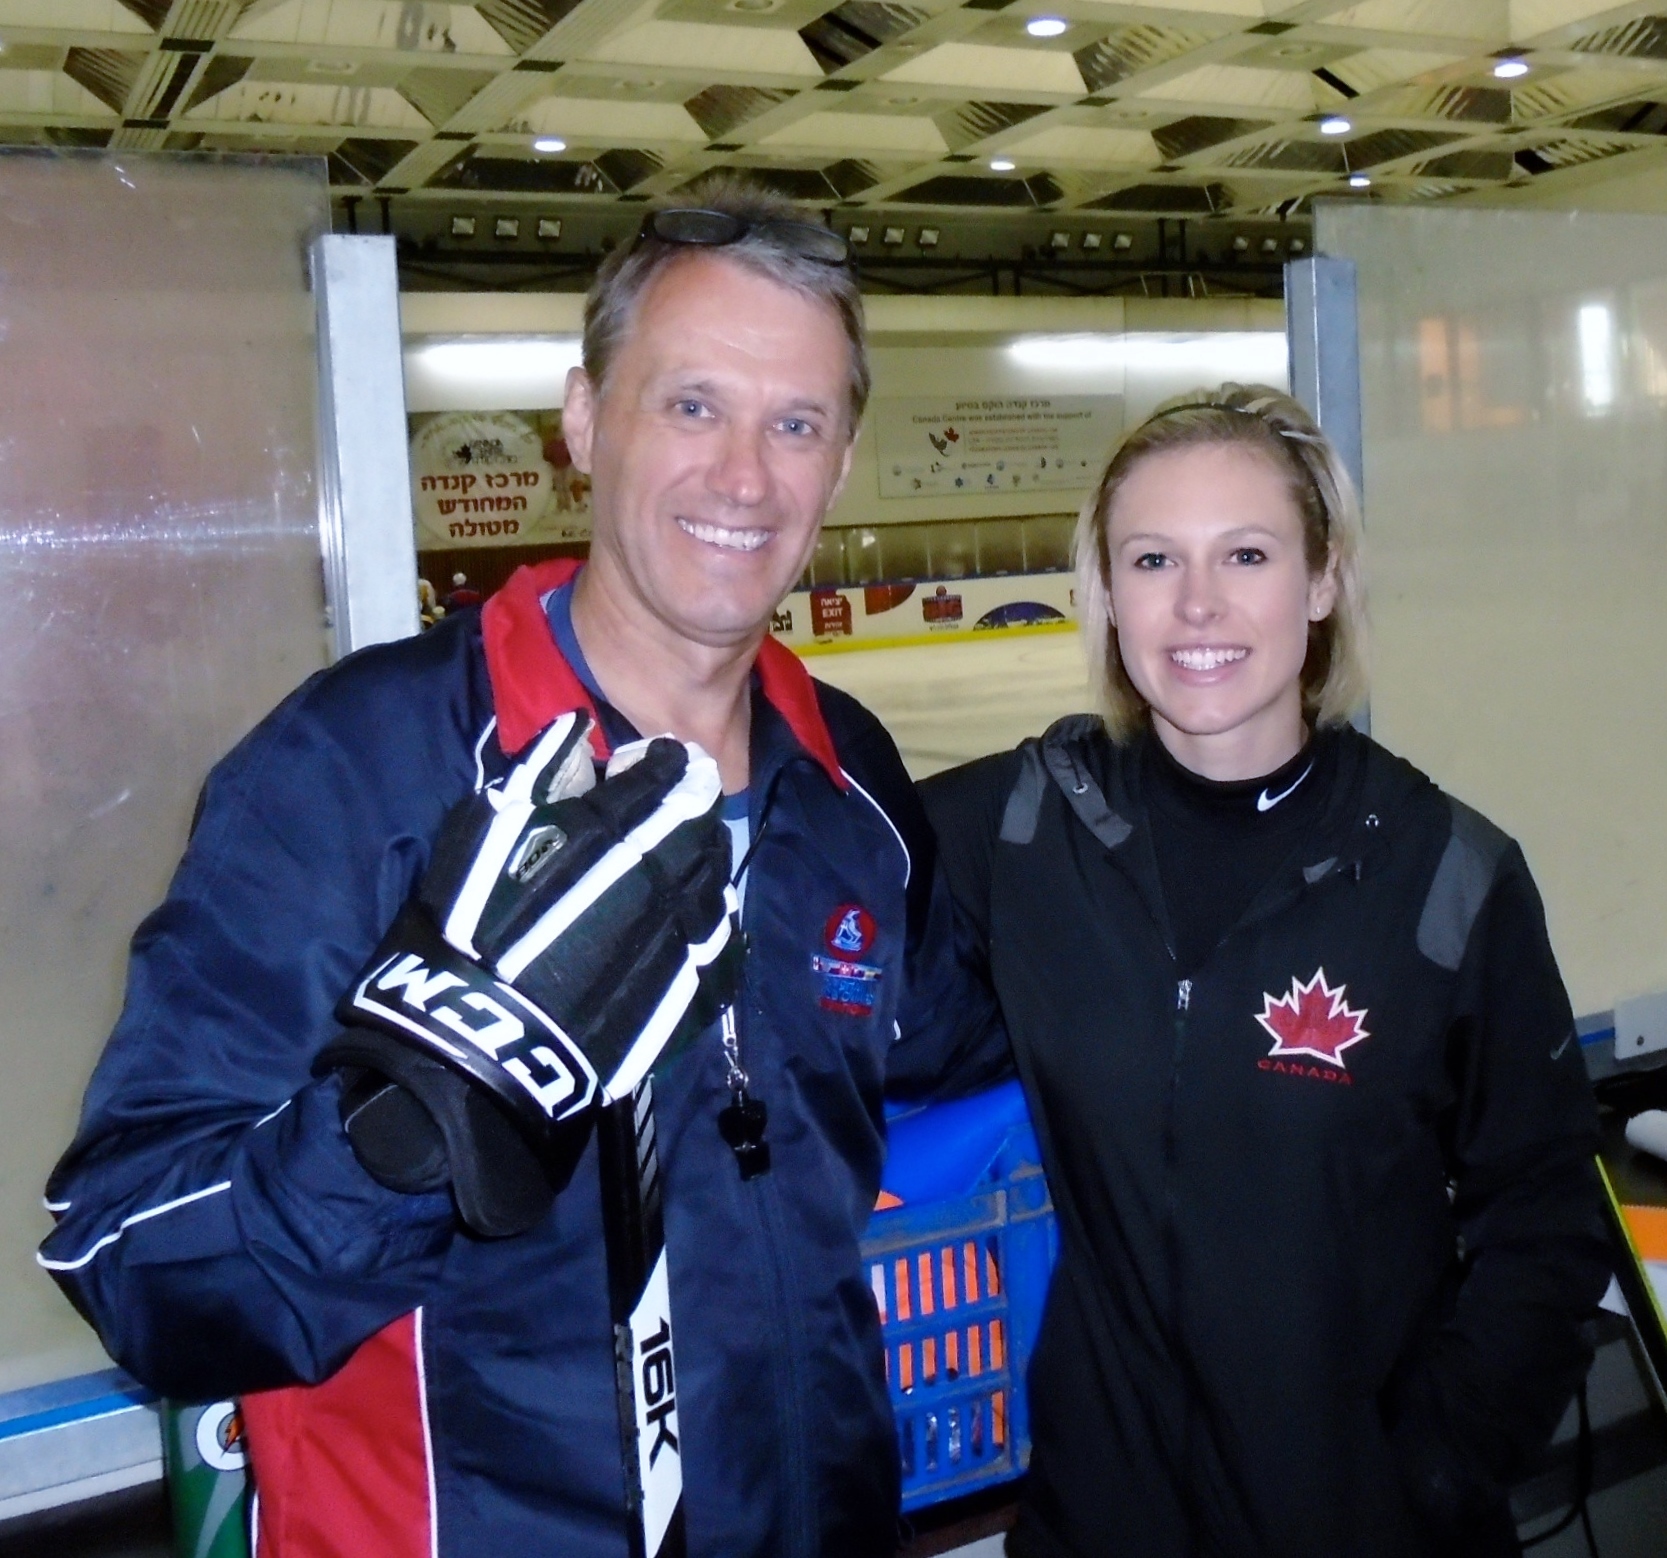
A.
x: 960, y: 1272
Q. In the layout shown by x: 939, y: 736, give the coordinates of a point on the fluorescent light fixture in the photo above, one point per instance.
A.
x: 463, y: 227
x: 927, y: 237
x: 1336, y: 125
x: 1122, y: 242
x: 1248, y: 356
x: 892, y: 235
x: 506, y: 227
x: 858, y: 235
x: 1511, y: 69
x: 489, y: 373
x: 549, y: 228
x: 1059, y: 240
x: 1595, y: 326
x: 1359, y: 181
x: 1091, y: 240
x: 1002, y: 164
x: 549, y: 143
x: 1046, y: 26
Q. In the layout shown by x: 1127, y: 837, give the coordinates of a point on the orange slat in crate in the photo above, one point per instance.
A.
x: 1648, y: 1227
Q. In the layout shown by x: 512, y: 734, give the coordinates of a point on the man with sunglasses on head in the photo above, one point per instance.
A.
x: 418, y: 1324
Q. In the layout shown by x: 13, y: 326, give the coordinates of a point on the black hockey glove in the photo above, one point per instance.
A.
x: 566, y: 935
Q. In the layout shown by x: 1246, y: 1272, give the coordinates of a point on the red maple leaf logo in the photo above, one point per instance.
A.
x: 1313, y: 1019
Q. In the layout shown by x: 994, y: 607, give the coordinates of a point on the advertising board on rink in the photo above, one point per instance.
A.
x: 948, y: 446
x: 874, y: 616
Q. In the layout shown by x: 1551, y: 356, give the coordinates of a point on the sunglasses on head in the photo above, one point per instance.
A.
x: 714, y: 229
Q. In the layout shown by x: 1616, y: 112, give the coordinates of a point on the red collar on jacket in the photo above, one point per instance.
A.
x: 532, y: 683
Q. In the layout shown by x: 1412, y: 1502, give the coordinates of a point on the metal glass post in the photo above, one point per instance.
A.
x: 369, y: 540
x: 1322, y: 330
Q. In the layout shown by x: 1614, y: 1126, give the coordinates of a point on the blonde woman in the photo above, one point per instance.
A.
x: 1302, y: 1065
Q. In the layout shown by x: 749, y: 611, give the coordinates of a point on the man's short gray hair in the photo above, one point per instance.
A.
x: 626, y: 273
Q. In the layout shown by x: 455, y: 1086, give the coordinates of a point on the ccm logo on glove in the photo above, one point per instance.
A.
x: 438, y: 989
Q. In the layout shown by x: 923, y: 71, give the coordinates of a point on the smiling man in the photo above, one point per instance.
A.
x: 412, y: 1387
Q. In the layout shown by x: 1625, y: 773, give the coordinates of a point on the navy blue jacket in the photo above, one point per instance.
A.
x: 406, y: 1387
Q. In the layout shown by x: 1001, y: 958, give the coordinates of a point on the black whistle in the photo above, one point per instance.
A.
x: 742, y: 1125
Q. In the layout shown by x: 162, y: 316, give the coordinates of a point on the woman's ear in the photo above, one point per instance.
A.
x: 1323, y: 588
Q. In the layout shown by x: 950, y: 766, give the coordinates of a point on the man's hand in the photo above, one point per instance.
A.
x: 565, y: 934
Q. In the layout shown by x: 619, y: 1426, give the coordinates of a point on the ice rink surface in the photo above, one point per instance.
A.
x: 946, y: 703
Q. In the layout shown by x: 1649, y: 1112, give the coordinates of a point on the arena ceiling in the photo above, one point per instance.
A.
x: 1196, y: 109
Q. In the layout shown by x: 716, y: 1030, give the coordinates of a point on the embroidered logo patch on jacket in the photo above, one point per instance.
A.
x: 848, y: 985
x: 1312, y: 1020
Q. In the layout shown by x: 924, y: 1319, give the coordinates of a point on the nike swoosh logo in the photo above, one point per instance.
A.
x: 1266, y: 802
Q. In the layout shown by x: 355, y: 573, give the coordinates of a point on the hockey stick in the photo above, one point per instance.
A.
x: 644, y: 1365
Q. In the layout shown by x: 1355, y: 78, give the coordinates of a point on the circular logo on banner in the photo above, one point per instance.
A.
x: 849, y: 931
x: 480, y: 478
x: 220, y: 1437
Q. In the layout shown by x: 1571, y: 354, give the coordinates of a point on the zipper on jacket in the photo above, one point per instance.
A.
x: 1183, y: 996
x: 797, y: 1508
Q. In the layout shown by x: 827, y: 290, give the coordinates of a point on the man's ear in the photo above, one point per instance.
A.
x: 844, y: 473
x: 578, y: 418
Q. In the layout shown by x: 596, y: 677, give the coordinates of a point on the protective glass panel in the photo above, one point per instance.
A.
x: 159, y: 536
x: 1514, y: 408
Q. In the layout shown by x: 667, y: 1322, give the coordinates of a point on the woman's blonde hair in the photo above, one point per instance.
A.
x: 1251, y: 416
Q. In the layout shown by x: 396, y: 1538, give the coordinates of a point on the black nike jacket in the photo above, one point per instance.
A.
x: 1329, y: 1224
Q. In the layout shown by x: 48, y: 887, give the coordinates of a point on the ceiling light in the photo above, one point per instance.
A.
x: 1249, y: 356
x: 549, y: 228
x: 1241, y: 244
x: 1511, y: 69
x: 507, y: 227
x: 463, y: 227
x: 1122, y: 241
x: 1091, y: 240
x: 1046, y: 26
x: 1002, y: 164
x: 1335, y: 125
x: 1270, y: 246
x: 892, y: 235
x: 1059, y: 240
x: 489, y: 373
x: 1298, y: 245
x: 858, y: 235
x: 927, y: 237
x: 1359, y: 181
x: 549, y: 143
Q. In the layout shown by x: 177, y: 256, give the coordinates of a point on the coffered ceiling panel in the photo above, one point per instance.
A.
x: 374, y: 24
x: 1179, y: 107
